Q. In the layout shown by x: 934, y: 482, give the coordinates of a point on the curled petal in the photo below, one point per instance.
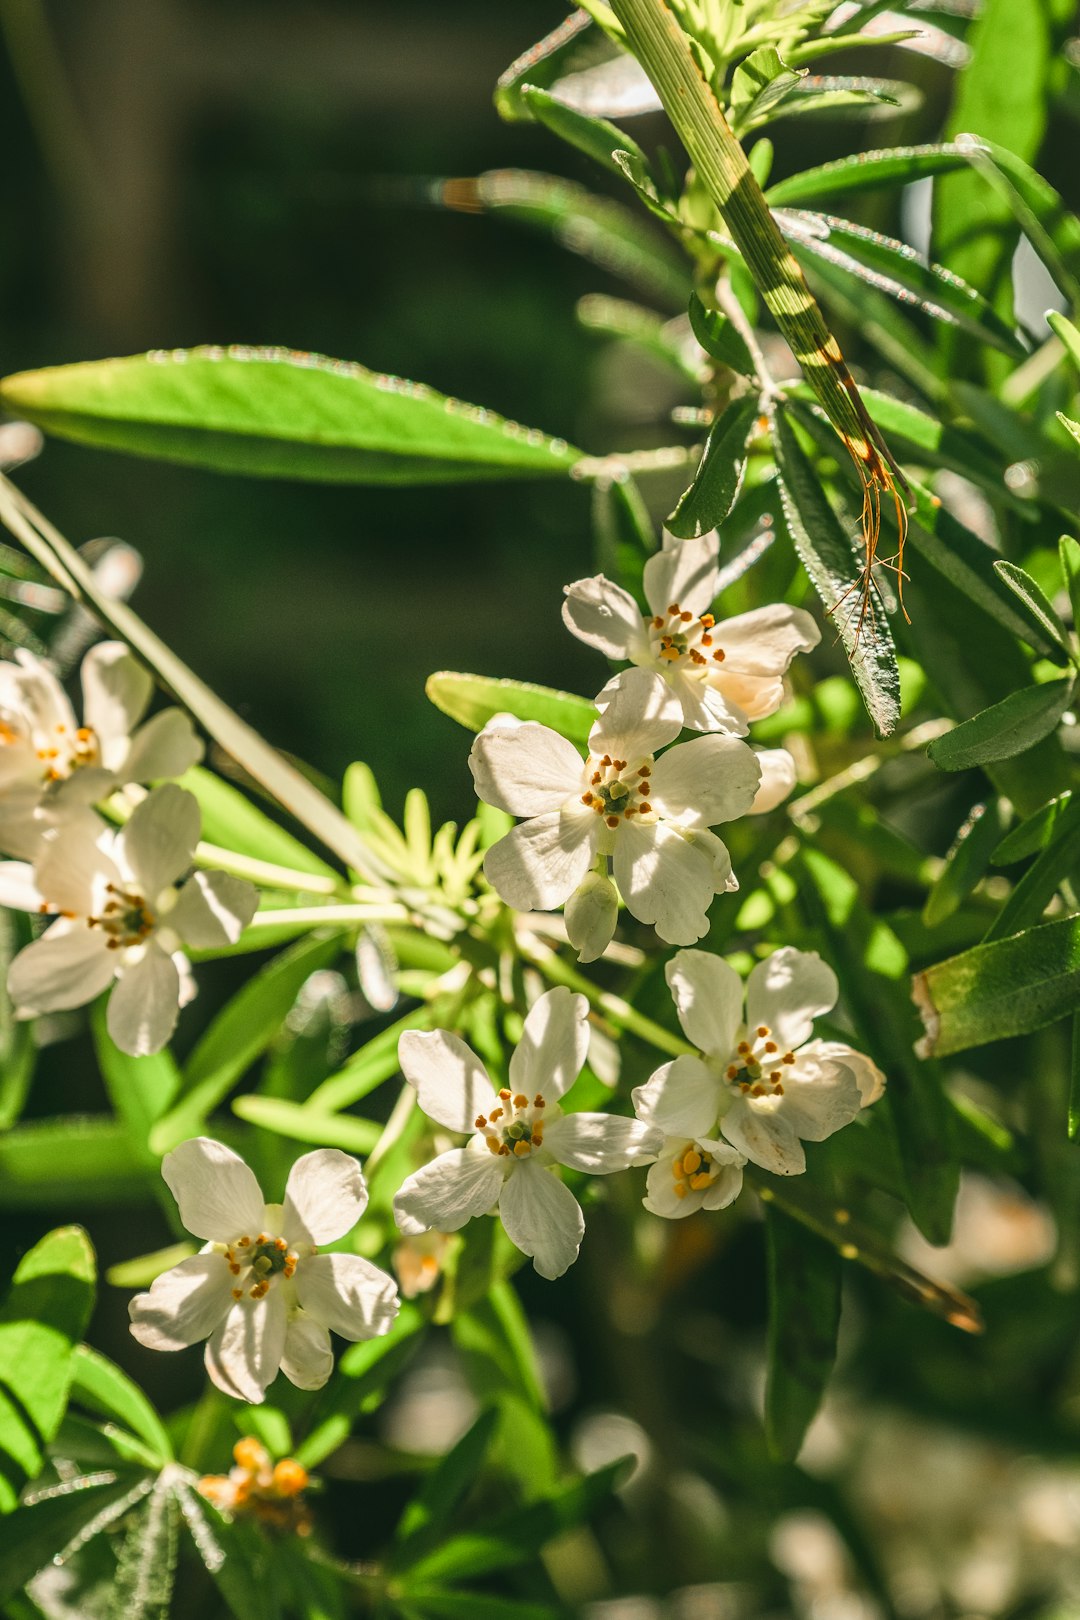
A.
x: 542, y: 1218
x: 706, y: 781
x: 67, y: 967
x: 212, y: 910
x: 602, y: 1143
x: 116, y: 692
x: 145, y: 1005
x: 787, y: 992
x: 307, y: 1360
x: 554, y: 1045
x: 156, y: 845
x: 686, y: 572
x: 682, y: 1098
x: 348, y: 1295
x: 765, y: 1137
x: 448, y: 1192
x: 244, y: 1355
x: 452, y: 1086
x: 639, y: 713
x: 868, y: 1077
x: 216, y: 1194
x: 590, y: 915
x: 538, y: 865
x: 708, y: 996
x: 325, y: 1196
x: 526, y: 769
x: 183, y: 1305
x: 606, y: 617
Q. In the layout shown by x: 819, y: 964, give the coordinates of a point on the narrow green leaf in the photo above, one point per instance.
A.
x: 100, y: 1386
x: 830, y: 560
x: 241, y: 1031
x: 1066, y: 331
x: 100, y: 1164
x: 494, y: 1337
x: 1041, y: 213
x: 1069, y: 554
x: 32, y: 1537
x: 42, y: 1318
x: 429, y: 1511
x: 275, y: 413
x: 1037, y: 605
x: 718, y: 479
x: 1008, y: 728
x: 439, y: 1603
x: 558, y: 53
x: 1074, y: 1082
x: 363, y: 1375
x: 1056, y: 863
x: 804, y: 1318
x: 758, y: 85
x: 230, y: 820
x: 846, y: 96
x: 299, y: 1122
x: 1033, y: 834
x: 1009, y: 987
x: 718, y: 337
x: 873, y: 966
x: 471, y: 700
x: 594, y: 136
x: 368, y: 1067
x: 967, y: 861
x: 897, y: 165
x: 141, y: 1089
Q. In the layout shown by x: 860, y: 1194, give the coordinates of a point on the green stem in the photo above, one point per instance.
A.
x: 556, y: 971
x: 320, y: 916
x: 265, y: 873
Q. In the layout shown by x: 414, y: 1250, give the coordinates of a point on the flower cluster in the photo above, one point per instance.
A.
x: 126, y: 902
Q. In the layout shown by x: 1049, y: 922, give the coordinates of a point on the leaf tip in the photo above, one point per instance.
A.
x: 921, y: 995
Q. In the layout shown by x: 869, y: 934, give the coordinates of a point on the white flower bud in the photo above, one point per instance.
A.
x: 590, y: 915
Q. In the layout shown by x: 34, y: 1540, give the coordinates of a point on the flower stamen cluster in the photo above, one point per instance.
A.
x: 523, y: 1132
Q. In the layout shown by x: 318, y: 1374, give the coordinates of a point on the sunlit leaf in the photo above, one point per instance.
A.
x: 1009, y: 987
x: 1010, y: 727
x: 472, y: 700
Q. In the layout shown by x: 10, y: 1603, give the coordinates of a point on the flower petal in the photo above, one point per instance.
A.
x: 539, y: 864
x: 116, y: 691
x: 605, y: 616
x: 765, y: 640
x: 708, y: 996
x: 868, y: 1077
x: 820, y: 1097
x: 639, y: 713
x: 554, y: 1045
x: 787, y: 991
x: 705, y: 781
x: 212, y: 910
x: 778, y: 778
x: 76, y: 863
x: 665, y: 879
x: 307, y: 1360
x: 156, y: 845
x: 602, y: 1143
x: 166, y: 746
x: 705, y: 705
x: 67, y: 967
x: 526, y: 769
x: 542, y: 1218
x: 325, y: 1196
x: 145, y: 1005
x: 764, y: 1137
x: 452, y: 1086
x: 183, y: 1305
x: 40, y: 695
x: 18, y: 890
x: 682, y: 1098
x: 348, y: 1295
x: 244, y: 1355
x: 216, y: 1194
x: 685, y: 571
x: 448, y: 1192
x: 727, y: 1167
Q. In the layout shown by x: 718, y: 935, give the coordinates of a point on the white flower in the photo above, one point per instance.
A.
x: 760, y: 1081
x: 693, y: 1173
x: 517, y: 1135
x: 650, y: 816
x: 259, y: 1291
x: 124, y: 914
x: 49, y: 762
x: 724, y: 674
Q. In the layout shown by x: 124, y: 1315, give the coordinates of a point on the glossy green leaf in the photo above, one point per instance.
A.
x: 276, y: 413
x: 804, y: 1319
x: 100, y: 1163
x: 574, y: 42
x: 594, y: 136
x: 846, y: 96
x: 1057, y: 863
x: 897, y: 165
x: 472, y: 700
x: 99, y: 1385
x: 830, y: 559
x: 717, y: 335
x: 623, y: 533
x: 719, y: 476
x: 872, y: 966
x: 301, y: 1123
x: 1037, y: 606
x: 1008, y: 728
x: 967, y: 861
x: 1009, y: 987
x: 42, y: 1318
x: 1041, y: 212
x: 241, y: 1031
x: 758, y: 85
x: 1033, y: 834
